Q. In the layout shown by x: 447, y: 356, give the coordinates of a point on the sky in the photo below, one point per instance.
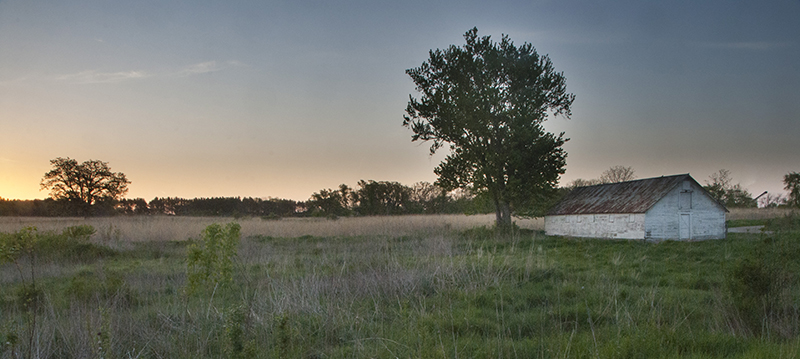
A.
x: 284, y: 98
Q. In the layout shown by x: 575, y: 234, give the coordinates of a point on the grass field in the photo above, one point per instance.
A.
x: 396, y: 287
x: 748, y: 216
x: 172, y: 228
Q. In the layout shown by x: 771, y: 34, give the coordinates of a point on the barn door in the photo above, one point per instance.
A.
x: 686, y: 226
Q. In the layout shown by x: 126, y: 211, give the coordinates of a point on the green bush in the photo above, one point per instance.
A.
x: 9, y: 339
x: 29, y: 297
x: 210, y: 259
x: 789, y: 222
x: 15, y: 245
x: 236, y: 328
x: 761, y: 286
x: 79, y: 233
x: 72, y: 244
x: 86, y: 286
x: 750, y: 286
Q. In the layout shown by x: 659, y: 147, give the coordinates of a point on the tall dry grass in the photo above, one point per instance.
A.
x: 758, y: 213
x: 170, y: 228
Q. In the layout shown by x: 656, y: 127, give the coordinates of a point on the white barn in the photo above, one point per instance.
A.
x: 671, y: 207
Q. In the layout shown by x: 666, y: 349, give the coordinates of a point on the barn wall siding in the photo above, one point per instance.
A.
x: 707, y: 219
x: 623, y: 226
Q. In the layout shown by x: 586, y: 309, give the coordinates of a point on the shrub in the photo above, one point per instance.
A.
x: 210, y: 260
x: 749, y: 284
x: 787, y: 222
x: 72, y: 244
x: 9, y: 339
x: 235, y: 345
x: 760, y: 287
x: 15, y: 245
x: 29, y: 297
x: 87, y: 285
x: 80, y: 232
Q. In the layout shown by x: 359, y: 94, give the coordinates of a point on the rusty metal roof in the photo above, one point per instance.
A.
x: 624, y: 197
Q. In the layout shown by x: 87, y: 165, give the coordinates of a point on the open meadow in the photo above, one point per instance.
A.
x: 390, y: 287
x: 178, y: 228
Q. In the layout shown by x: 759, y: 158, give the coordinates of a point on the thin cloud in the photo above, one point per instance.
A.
x: 201, y: 68
x: 96, y: 77
x: 207, y: 67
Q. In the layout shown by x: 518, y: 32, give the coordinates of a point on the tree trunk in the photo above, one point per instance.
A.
x: 503, y: 216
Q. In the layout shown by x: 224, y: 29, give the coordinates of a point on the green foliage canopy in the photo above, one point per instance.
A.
x: 487, y: 101
x: 382, y: 197
x: 792, y: 184
x: 332, y: 202
x: 728, y: 194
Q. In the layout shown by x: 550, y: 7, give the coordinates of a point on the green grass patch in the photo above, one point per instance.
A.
x: 468, y: 294
x: 789, y: 222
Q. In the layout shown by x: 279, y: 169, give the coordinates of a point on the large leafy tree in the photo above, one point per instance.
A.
x: 84, y: 184
x: 487, y: 101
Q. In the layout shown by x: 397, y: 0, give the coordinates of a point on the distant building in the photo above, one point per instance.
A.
x: 671, y: 207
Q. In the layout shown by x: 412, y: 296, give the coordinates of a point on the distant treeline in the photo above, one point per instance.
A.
x: 376, y: 198
x: 371, y: 198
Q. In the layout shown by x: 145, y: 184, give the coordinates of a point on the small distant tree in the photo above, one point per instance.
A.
x: 719, y: 185
x: 160, y: 206
x: 737, y: 196
x: 730, y: 195
x: 614, y: 174
x: 617, y: 174
x: 792, y: 184
x: 84, y: 184
x: 331, y: 202
x: 382, y: 197
x: 580, y: 182
x: 136, y: 206
x: 771, y: 201
x: 426, y: 197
